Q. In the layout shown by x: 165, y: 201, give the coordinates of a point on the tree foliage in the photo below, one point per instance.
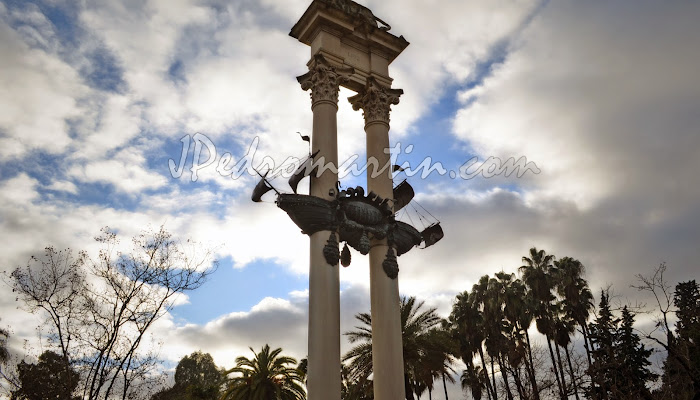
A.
x: 427, y: 349
x: 681, y: 374
x: 490, y: 327
x: 52, y: 377
x: 196, y: 378
x: 620, y: 361
x: 98, y: 312
x: 4, y: 352
x: 266, y: 376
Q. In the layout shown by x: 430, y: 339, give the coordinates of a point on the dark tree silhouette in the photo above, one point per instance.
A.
x: 682, y: 366
x: 603, y: 353
x: 268, y: 375
x: 537, y: 273
x: 426, y: 350
x: 4, y: 353
x: 49, y: 378
x: 632, y: 361
x: 680, y: 380
x: 620, y: 361
x: 196, y: 378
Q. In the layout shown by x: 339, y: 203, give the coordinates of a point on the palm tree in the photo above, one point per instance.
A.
x: 422, y: 346
x: 564, y: 328
x: 474, y: 378
x: 516, y: 313
x: 537, y: 276
x: 267, y: 376
x: 360, y: 356
x: 577, y: 305
x: 497, y: 328
x: 573, y: 288
x: 354, y: 389
x: 519, y: 309
x: 438, y: 357
x: 478, y: 300
x: 466, y: 321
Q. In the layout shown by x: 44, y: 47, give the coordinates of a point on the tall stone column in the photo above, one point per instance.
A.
x: 387, y: 349
x: 323, y: 380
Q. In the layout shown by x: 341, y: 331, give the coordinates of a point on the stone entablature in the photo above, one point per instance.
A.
x: 349, y: 35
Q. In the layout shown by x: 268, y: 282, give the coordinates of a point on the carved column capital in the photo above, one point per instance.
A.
x: 324, y: 80
x: 375, y: 101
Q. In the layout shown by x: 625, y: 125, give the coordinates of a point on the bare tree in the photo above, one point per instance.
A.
x: 663, y: 294
x: 98, y: 312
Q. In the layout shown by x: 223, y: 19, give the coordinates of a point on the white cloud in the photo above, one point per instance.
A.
x: 582, y: 99
x: 449, y: 39
x: 118, y: 122
x: 38, y: 92
x: 19, y: 191
x: 274, y: 321
x: 63, y: 186
x: 124, y: 173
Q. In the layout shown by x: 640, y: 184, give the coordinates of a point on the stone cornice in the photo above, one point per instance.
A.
x: 324, y: 80
x: 375, y: 101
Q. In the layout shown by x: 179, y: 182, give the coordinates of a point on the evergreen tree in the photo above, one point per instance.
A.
x: 603, y: 352
x: 632, y: 359
x: 619, y: 369
x: 196, y: 378
x: 687, y: 300
x: 682, y: 366
x: 51, y: 378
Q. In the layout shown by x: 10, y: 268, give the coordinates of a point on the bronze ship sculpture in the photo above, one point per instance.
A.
x: 354, y: 218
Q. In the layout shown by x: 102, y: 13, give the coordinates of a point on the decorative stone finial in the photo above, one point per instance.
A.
x: 375, y: 101
x: 360, y: 13
x: 324, y: 80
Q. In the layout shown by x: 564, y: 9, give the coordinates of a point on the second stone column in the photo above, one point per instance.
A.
x: 387, y: 349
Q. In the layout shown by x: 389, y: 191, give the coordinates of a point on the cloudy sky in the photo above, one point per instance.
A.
x: 97, y: 97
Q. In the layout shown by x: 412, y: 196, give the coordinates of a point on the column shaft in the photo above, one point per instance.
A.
x: 323, y: 381
x: 323, y: 378
x: 387, y: 347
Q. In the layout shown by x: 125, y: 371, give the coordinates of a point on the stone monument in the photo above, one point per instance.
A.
x: 350, y: 47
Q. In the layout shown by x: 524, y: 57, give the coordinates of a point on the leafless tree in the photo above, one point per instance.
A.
x: 99, y: 312
x: 662, y: 291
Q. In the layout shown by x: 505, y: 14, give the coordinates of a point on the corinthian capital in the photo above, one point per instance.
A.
x: 324, y: 80
x: 375, y: 101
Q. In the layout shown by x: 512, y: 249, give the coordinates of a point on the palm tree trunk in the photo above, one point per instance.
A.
x: 491, y: 390
x: 430, y: 394
x: 488, y: 385
x: 561, y: 370
x: 504, y: 375
x: 488, y: 391
x: 571, y: 372
x: 444, y: 386
x: 493, y: 376
x: 531, y: 368
x: 518, y: 383
x: 554, y: 368
x: 407, y: 387
x: 592, y: 374
x: 584, y: 332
